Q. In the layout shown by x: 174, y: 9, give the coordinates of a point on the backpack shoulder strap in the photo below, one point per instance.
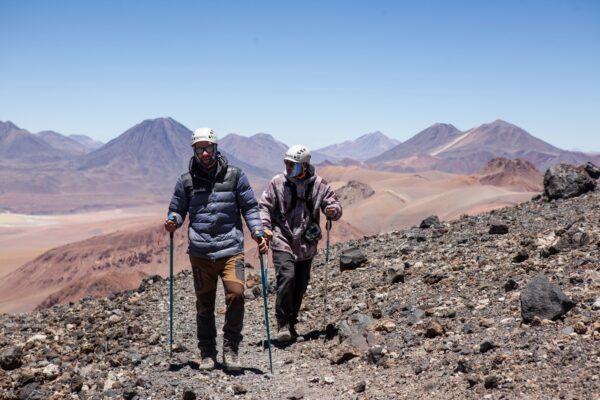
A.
x: 309, y: 200
x: 188, y: 184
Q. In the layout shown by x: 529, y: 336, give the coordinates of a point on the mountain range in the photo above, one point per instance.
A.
x: 142, y: 163
x: 443, y: 147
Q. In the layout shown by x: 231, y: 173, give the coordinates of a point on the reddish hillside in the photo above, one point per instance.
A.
x: 516, y: 174
x: 104, y: 264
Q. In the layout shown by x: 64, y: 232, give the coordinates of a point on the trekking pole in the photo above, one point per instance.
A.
x: 171, y: 290
x: 328, y: 228
x: 264, y: 292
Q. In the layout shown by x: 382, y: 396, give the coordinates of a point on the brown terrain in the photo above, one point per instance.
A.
x: 404, y: 199
x: 124, y: 249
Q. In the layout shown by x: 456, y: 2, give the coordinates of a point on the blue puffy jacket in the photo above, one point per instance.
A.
x: 214, y: 203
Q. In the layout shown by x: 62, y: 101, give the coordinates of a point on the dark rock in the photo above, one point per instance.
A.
x: 491, y: 382
x: 469, y: 328
x: 129, y: 394
x: 510, y: 285
x: 148, y: 281
x: 33, y: 391
x: 472, y: 380
x: 430, y: 221
x: 345, y: 353
x: 542, y: 299
x: 572, y: 239
x: 11, y: 358
x: 238, y: 389
x: 375, y: 354
x: 76, y: 383
x: 521, y: 256
x: 486, y: 345
x: 463, y: 366
x: 421, y: 367
x: 565, y: 181
x: 360, y: 387
x: 433, y: 329
x: 592, y: 170
x: 498, y: 228
x: 395, y: 274
x: 432, y: 278
x: 189, y: 394
x: 351, y: 258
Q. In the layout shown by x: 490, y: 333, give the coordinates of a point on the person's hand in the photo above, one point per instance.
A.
x: 329, y: 211
x: 170, y: 225
x: 268, y: 234
x: 263, y: 245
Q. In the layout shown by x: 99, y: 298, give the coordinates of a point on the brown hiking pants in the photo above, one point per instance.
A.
x: 206, y: 274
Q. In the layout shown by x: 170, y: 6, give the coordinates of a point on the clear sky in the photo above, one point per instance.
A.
x: 311, y: 72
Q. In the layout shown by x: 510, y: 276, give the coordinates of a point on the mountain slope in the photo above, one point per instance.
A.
x: 517, y: 174
x: 20, y: 146
x: 366, y: 146
x: 62, y: 143
x: 431, y: 313
x: 260, y: 150
x: 423, y: 142
x: 87, y: 142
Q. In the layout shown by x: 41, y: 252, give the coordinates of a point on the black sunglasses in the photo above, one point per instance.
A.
x: 200, y: 149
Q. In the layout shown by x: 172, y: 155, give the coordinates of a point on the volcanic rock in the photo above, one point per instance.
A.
x: 351, y: 258
x: 498, y: 228
x: 10, y: 358
x: 430, y: 221
x: 542, y: 299
x: 565, y: 181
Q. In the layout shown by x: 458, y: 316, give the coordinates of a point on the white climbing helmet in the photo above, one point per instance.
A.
x: 298, y: 154
x: 204, y: 135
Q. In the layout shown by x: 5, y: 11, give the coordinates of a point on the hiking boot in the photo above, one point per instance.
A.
x: 206, y: 363
x: 231, y: 361
x: 284, y: 334
x: 293, y: 331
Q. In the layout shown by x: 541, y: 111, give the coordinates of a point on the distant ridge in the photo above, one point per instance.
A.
x: 260, y: 149
x: 63, y: 143
x: 363, y: 148
x: 23, y: 147
x: 442, y: 147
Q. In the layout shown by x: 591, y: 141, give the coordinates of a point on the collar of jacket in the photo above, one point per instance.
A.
x: 198, y: 171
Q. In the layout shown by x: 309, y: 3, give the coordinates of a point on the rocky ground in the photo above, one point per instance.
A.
x: 432, y: 311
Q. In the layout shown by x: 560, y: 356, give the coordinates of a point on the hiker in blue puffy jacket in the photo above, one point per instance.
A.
x: 216, y: 195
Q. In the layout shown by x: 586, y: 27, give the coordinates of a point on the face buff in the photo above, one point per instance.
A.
x: 296, y: 170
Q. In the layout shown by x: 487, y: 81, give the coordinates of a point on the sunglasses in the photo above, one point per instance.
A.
x: 209, y: 149
x: 289, y: 163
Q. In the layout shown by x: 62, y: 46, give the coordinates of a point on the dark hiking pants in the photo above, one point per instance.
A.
x: 292, y: 280
x: 206, y: 274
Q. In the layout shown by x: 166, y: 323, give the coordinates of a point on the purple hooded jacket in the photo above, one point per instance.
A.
x: 289, y: 225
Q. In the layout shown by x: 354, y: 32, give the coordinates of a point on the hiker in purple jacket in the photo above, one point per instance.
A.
x: 216, y: 195
x: 290, y: 208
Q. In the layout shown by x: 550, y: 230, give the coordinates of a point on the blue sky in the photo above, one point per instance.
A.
x: 311, y: 72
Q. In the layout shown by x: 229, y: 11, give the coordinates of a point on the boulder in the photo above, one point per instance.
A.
x: 498, y: 228
x: 351, y: 258
x: 11, y: 358
x: 430, y: 221
x: 542, y: 299
x: 565, y: 181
